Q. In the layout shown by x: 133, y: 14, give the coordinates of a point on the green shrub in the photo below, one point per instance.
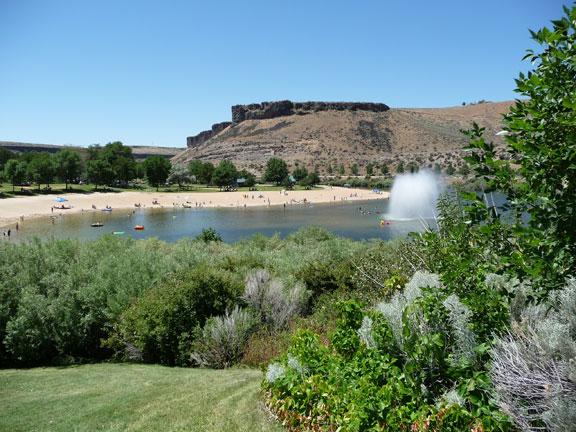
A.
x: 274, y: 303
x: 264, y: 345
x: 407, y: 365
x: 322, y: 277
x: 223, y: 339
x: 161, y: 323
x: 310, y: 234
x: 380, y: 270
x: 534, y: 365
x: 209, y: 235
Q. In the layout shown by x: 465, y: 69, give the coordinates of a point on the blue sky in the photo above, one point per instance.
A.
x: 154, y: 72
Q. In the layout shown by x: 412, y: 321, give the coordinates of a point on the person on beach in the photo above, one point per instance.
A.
x: 8, y: 233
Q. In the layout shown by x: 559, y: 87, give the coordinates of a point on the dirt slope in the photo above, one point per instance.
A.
x: 328, y: 138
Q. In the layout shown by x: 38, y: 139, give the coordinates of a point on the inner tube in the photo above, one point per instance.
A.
x: 139, y: 227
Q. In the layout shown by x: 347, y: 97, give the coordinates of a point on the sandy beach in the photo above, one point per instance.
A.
x: 20, y: 209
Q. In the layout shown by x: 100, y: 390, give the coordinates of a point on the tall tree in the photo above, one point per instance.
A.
x: 276, y: 170
x: 68, y: 165
x: 42, y: 169
x: 157, y: 170
x: 15, y: 172
x: 300, y: 173
x: 541, y: 139
x: 179, y: 175
x: 99, y: 172
x: 202, y: 171
x: 121, y: 161
x: 225, y: 174
x: 5, y: 156
x: 370, y: 169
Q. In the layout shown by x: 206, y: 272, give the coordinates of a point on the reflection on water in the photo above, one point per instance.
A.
x: 357, y: 220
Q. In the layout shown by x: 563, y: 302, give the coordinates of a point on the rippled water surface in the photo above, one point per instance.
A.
x: 357, y: 220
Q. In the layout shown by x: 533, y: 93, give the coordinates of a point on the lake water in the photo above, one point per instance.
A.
x: 358, y: 220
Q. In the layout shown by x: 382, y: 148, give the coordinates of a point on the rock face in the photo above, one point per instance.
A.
x: 269, y: 110
x: 330, y: 137
x: 203, y: 136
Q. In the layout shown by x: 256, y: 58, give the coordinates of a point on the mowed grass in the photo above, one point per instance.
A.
x: 128, y: 397
x: 60, y: 188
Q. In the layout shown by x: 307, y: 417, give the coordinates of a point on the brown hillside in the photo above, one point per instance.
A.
x: 331, y: 137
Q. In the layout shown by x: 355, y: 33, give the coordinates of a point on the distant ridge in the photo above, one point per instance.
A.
x: 140, y: 152
x: 326, y: 134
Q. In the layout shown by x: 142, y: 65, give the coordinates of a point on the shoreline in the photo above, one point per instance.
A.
x: 18, y: 210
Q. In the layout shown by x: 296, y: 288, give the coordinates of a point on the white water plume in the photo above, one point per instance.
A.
x: 414, y: 196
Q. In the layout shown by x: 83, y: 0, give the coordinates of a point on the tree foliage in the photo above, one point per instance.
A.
x: 225, y: 174
x: 179, y: 175
x: 99, y: 172
x: 15, y: 172
x: 202, y: 171
x: 69, y: 165
x: 276, y: 170
x: 300, y: 173
x: 157, y: 170
x: 541, y: 141
x: 42, y: 169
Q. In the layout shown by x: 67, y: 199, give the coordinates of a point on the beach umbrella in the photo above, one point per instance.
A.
x: 60, y: 199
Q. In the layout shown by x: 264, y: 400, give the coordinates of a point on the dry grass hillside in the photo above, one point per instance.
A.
x: 330, y: 138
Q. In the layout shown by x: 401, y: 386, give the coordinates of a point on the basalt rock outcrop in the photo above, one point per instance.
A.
x: 270, y: 110
x: 331, y: 137
x: 196, y: 140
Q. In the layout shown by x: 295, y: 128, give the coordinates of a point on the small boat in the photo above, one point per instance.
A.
x: 186, y: 206
x: 118, y: 232
x: 107, y: 209
x: 139, y: 227
x: 97, y: 225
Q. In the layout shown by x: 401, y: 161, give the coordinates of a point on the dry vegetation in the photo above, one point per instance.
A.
x: 330, y: 138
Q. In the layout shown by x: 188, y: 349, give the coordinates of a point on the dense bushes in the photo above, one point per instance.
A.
x: 223, y: 339
x: 161, y: 322
x: 411, y: 363
x: 493, y: 330
x: 534, y: 365
x: 59, y: 300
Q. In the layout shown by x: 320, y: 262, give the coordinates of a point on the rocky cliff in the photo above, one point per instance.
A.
x: 269, y: 110
x: 324, y: 136
x: 196, y: 140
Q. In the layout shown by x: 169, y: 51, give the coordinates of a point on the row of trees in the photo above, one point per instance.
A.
x: 111, y: 165
x: 226, y: 174
x: 277, y: 172
x: 42, y: 168
x: 115, y: 165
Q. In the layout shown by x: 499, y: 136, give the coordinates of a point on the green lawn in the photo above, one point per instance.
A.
x: 58, y: 189
x: 128, y: 397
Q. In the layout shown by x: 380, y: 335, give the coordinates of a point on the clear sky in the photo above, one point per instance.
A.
x: 153, y: 72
